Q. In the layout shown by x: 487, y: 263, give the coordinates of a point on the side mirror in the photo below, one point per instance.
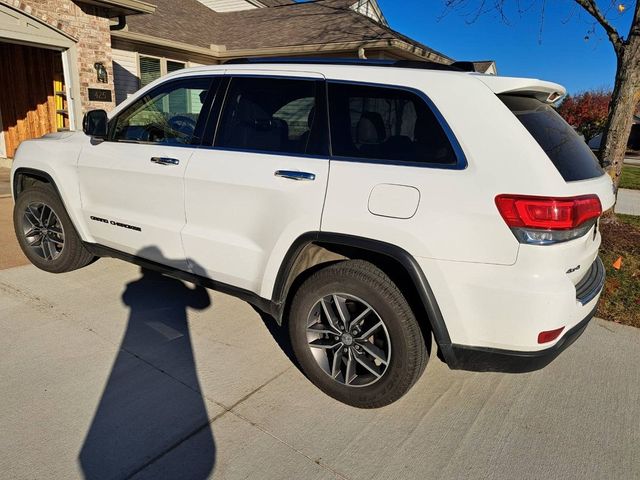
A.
x: 95, y: 123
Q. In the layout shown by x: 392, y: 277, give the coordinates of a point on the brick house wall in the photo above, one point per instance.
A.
x: 89, y: 27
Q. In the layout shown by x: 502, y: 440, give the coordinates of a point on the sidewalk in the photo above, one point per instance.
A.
x: 628, y: 202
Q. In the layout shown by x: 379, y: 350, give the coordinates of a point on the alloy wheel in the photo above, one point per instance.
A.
x: 348, y: 340
x: 43, y: 231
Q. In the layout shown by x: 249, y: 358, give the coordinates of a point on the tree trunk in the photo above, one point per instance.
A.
x: 625, y: 98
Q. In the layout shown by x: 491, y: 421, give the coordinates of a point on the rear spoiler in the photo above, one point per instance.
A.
x: 547, y: 92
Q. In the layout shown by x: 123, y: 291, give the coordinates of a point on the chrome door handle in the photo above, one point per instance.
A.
x: 295, y: 175
x: 165, y: 160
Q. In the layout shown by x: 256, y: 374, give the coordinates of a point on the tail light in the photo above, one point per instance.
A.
x: 545, y: 220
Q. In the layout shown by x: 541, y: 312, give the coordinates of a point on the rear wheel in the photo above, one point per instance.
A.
x: 355, y: 335
x: 45, y: 232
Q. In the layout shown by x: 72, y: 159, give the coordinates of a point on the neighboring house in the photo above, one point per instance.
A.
x: 65, y: 57
x: 634, y: 137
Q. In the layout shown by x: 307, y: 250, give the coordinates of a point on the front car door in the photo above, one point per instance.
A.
x: 262, y: 182
x: 132, y: 184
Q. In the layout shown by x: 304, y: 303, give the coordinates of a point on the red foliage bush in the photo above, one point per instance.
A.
x: 586, y: 112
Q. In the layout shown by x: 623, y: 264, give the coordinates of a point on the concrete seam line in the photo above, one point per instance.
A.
x: 168, y: 449
x: 298, y: 451
x: 200, y: 428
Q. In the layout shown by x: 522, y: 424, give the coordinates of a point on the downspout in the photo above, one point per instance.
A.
x: 122, y: 22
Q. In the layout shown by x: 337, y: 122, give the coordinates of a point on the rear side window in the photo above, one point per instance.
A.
x: 569, y: 153
x: 276, y: 115
x: 386, y: 124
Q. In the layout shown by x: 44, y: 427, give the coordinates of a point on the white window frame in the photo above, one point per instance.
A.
x: 163, y: 65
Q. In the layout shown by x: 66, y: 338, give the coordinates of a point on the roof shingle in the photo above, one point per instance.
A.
x: 309, y: 23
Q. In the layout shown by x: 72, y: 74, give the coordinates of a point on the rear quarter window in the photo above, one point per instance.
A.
x: 569, y: 153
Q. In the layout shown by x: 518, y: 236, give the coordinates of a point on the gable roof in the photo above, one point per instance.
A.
x: 319, y: 22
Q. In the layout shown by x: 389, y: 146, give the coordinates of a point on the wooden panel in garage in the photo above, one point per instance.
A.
x: 27, y: 100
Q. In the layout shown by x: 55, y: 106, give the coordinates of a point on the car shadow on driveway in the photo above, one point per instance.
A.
x: 152, y: 400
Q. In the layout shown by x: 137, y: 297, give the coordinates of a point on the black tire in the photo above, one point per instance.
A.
x: 363, y: 281
x: 72, y: 254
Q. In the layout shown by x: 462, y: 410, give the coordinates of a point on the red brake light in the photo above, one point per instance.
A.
x: 548, y: 213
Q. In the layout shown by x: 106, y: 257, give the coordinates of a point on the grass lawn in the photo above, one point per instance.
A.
x: 620, y: 300
x: 630, y: 177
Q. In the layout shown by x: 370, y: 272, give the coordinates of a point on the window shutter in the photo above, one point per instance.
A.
x: 149, y: 70
x: 174, y: 66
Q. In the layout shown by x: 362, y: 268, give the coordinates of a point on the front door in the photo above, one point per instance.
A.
x: 132, y: 184
x: 263, y: 182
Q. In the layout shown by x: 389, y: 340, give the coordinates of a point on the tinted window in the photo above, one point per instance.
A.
x: 272, y: 115
x: 385, y: 124
x: 568, y: 152
x: 168, y: 114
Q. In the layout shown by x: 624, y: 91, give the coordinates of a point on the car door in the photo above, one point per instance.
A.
x: 132, y: 184
x: 262, y: 182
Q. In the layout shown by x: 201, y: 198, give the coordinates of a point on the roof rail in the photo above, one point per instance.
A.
x: 454, y: 67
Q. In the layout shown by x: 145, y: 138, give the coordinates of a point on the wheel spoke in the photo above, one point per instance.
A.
x: 358, y: 320
x: 375, y: 352
x: 36, y: 242
x: 43, y: 249
x: 325, y: 344
x: 56, y: 241
x: 50, y: 217
x: 57, y: 231
x: 368, y: 333
x: 43, y: 214
x: 367, y: 363
x: 32, y: 232
x: 47, y: 249
x: 350, y: 373
x: 341, y: 307
x: 321, y: 329
x: 337, y: 362
x: 31, y: 217
x: 331, y: 316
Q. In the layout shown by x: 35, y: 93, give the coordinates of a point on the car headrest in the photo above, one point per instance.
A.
x: 371, y: 128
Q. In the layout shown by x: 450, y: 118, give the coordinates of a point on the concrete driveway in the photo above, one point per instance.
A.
x: 107, y: 373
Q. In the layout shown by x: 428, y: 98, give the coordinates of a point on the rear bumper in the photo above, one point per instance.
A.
x: 481, y: 359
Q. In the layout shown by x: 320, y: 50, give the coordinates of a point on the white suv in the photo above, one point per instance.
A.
x: 365, y: 206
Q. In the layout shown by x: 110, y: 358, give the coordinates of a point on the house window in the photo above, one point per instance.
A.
x: 152, y: 68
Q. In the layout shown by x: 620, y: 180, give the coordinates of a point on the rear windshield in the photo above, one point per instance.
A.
x: 569, y: 153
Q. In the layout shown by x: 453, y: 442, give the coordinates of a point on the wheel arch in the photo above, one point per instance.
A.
x: 23, y: 177
x: 314, y: 250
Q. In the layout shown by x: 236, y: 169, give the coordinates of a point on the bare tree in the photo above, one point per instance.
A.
x: 626, y: 92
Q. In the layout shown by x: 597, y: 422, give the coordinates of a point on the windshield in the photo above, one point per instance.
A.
x: 569, y: 153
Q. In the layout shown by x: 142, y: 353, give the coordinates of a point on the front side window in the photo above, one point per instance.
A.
x: 168, y: 114
x: 387, y: 124
x: 276, y: 115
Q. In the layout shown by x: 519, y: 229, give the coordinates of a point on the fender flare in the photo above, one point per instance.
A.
x: 34, y: 173
x: 407, y: 261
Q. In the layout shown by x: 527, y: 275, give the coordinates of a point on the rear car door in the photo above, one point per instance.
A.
x: 262, y: 181
x: 132, y: 184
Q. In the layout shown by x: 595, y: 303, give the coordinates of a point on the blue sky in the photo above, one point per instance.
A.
x: 560, y: 53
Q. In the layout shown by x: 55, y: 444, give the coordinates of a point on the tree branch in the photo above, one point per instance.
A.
x: 593, y: 10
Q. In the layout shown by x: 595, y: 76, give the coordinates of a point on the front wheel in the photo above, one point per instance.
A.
x: 45, y: 232
x: 355, y: 335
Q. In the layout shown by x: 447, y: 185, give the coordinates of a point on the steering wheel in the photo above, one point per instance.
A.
x: 183, y: 124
